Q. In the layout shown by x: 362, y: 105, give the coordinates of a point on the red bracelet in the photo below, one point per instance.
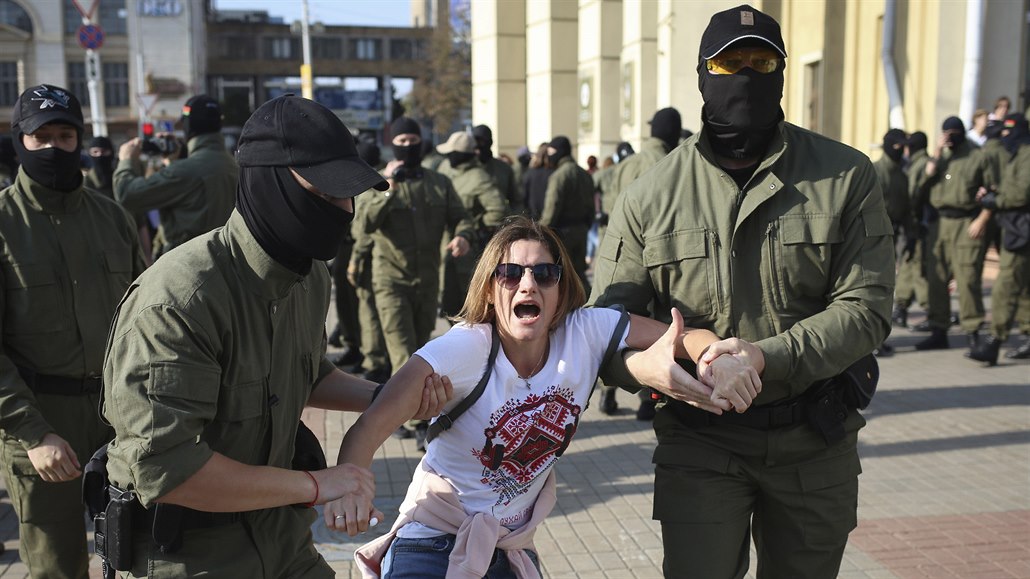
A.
x: 314, y: 500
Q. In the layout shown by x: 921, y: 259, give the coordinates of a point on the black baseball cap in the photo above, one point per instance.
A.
x: 42, y: 104
x: 740, y: 23
x: 203, y: 113
x: 290, y: 131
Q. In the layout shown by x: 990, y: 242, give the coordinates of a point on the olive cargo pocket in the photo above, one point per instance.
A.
x: 830, y: 495
x: 690, y: 484
x: 118, y: 265
x: 798, y: 258
x: 183, y: 397
x: 679, y: 263
x: 35, y: 303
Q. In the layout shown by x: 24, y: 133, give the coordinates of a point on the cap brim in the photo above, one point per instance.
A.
x: 343, y: 178
x: 721, y: 48
x: 444, y: 148
x: 31, y: 124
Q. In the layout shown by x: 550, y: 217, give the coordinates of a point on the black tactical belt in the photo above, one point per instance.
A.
x: 191, y: 519
x: 759, y: 417
x: 60, y: 385
x: 954, y: 213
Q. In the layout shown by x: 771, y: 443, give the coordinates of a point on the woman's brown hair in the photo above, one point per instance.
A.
x: 479, y: 310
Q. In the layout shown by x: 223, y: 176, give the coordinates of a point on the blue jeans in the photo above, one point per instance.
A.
x: 422, y: 558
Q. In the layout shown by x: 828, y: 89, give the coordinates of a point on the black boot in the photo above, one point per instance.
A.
x: 937, y: 340
x: 923, y: 326
x: 884, y: 350
x: 608, y: 404
x: 987, y: 351
x: 336, y: 337
x: 1022, y: 352
x: 899, y: 317
x: 351, y: 356
x: 646, y: 411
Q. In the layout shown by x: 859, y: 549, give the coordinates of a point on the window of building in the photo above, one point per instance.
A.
x: 282, y: 48
x: 327, y: 48
x: 365, y: 49
x: 813, y: 113
x: 77, y: 81
x: 14, y: 15
x: 235, y: 48
x: 116, y: 84
x: 8, y: 83
x: 401, y: 49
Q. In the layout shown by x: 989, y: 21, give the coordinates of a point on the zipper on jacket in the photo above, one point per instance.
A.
x: 774, y: 267
x: 718, y: 270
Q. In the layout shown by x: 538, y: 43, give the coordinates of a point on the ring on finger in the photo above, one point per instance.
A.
x: 338, y: 517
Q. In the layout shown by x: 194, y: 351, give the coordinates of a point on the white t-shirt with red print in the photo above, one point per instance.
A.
x: 498, y: 453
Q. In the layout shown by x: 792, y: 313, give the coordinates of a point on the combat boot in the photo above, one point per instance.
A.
x: 1022, y: 352
x: 899, y: 317
x: 937, y: 340
x: 608, y: 404
x: 987, y: 351
x: 973, y: 342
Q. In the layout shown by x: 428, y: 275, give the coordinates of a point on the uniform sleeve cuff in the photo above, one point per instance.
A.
x: 31, y: 435
x: 156, y: 475
x: 616, y: 373
x: 777, y: 359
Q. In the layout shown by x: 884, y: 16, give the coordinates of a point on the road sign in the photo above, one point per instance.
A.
x: 91, y: 36
x: 146, y: 101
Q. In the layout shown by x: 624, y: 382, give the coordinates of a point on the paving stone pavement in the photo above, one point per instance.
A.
x: 945, y: 490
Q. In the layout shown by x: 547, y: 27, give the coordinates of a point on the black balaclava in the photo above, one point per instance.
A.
x: 103, y: 165
x: 292, y: 224
x: 457, y: 158
x: 51, y: 167
x: 667, y: 125
x: 741, y: 111
x: 410, y: 155
x: 484, y: 140
x: 894, y: 144
x: 957, y: 136
x: 562, y: 148
x: 917, y: 142
x: 1018, y: 133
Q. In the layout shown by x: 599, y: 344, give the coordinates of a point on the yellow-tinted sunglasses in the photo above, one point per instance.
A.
x: 731, y: 61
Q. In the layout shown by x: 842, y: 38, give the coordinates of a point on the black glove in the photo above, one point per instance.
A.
x: 989, y: 200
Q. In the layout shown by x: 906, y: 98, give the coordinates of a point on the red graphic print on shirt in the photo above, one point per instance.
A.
x: 525, y: 437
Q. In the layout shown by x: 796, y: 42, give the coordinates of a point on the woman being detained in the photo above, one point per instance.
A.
x: 486, y: 483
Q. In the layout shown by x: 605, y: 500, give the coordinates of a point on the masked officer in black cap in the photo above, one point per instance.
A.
x: 569, y: 203
x: 193, y: 195
x: 217, y: 349
x: 777, y: 236
x: 68, y: 256
x: 956, y: 242
x: 503, y: 174
x: 101, y: 174
x: 894, y: 185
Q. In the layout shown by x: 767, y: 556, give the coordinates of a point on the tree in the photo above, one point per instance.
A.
x: 445, y: 88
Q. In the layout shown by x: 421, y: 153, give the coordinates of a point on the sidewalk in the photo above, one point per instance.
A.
x: 944, y: 493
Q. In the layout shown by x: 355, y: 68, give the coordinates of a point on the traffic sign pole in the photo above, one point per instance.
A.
x: 94, y: 83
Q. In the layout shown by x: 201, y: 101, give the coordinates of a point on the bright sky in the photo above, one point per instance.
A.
x: 342, y: 12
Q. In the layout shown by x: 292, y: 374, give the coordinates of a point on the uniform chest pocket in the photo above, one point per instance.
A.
x: 681, y: 264
x: 240, y: 402
x: 35, y: 302
x: 798, y: 252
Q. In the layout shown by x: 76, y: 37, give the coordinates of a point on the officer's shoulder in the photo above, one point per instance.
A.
x: 177, y: 278
x: 817, y: 149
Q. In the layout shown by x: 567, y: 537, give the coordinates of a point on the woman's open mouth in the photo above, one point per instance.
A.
x: 527, y: 312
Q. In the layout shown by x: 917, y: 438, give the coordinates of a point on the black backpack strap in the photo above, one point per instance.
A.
x: 613, y: 344
x: 446, y: 420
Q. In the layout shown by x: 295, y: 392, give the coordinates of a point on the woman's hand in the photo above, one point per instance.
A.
x: 437, y: 392
x: 352, y: 489
x: 732, y: 367
x: 656, y: 367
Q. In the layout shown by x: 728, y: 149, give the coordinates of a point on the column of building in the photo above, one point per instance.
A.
x: 638, y: 73
x: 499, y: 72
x: 552, y: 102
x: 600, y: 33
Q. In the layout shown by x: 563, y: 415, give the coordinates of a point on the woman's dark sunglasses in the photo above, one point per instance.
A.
x: 509, y: 275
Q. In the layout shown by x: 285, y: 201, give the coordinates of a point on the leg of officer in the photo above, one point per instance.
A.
x: 373, y: 344
x: 395, y: 305
x: 938, y: 274
x: 968, y: 264
x: 346, y: 300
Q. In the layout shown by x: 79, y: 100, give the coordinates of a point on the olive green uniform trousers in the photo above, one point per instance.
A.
x: 955, y: 254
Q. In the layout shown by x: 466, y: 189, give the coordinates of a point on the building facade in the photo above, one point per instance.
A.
x: 596, y: 70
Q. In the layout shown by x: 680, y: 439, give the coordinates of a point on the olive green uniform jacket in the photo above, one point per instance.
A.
x: 911, y: 284
x: 65, y: 261
x: 487, y: 207
x: 1012, y: 287
x: 503, y: 176
x: 629, y: 169
x: 193, y: 195
x: 800, y: 262
x: 894, y: 185
x: 216, y: 348
x: 569, y: 209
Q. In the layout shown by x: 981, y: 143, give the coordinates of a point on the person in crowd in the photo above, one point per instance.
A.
x: 430, y: 158
x: 69, y: 255
x: 485, y: 205
x: 977, y: 133
x: 911, y: 282
x: 1001, y: 109
x: 502, y: 173
x: 193, y: 195
x: 476, y: 500
x: 101, y: 173
x: 535, y: 186
x: 894, y: 185
x: 216, y: 350
x: 761, y: 231
x: 956, y: 242
x: 519, y: 168
x: 569, y: 203
x: 406, y: 225
x: 1011, y: 204
x: 8, y: 161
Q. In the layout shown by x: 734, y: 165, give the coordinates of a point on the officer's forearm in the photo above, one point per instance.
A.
x: 224, y: 485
